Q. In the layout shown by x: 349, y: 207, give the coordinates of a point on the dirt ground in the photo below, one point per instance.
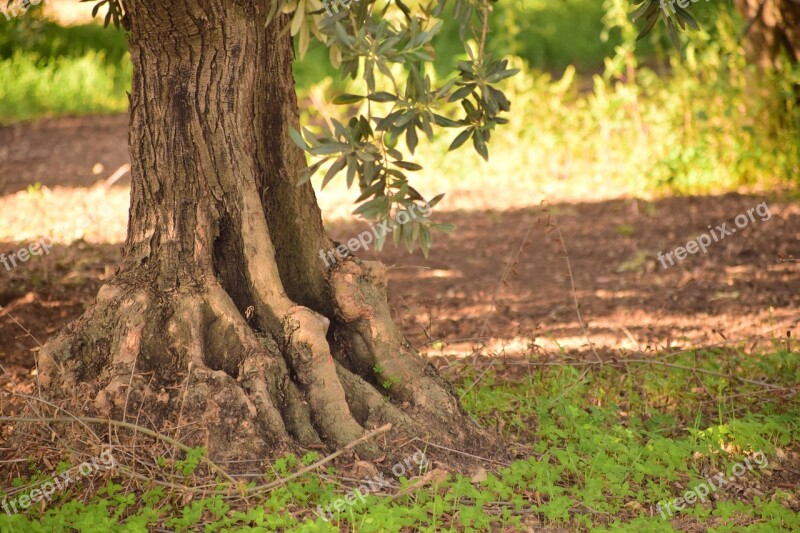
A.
x: 500, y: 285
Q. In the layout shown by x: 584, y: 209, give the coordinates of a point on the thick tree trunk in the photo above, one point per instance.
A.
x: 222, y: 314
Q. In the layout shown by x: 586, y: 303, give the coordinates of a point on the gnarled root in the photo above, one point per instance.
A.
x: 191, y: 362
x: 378, y: 347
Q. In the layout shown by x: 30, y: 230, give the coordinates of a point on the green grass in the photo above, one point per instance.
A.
x: 61, y: 86
x: 48, y: 70
x: 45, y: 39
x: 602, y: 449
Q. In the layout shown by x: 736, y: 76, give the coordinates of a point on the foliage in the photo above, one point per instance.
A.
x: 602, y: 451
x: 47, y: 69
x: 389, y: 45
x: 651, y: 11
x: 693, y: 125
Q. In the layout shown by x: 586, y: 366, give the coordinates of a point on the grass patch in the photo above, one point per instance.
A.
x: 600, y: 449
x: 65, y: 85
x: 49, y: 70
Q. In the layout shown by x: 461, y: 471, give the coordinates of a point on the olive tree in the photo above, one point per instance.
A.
x: 222, y: 313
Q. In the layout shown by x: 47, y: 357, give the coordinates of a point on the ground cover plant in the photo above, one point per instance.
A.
x: 600, y: 449
x: 536, y: 367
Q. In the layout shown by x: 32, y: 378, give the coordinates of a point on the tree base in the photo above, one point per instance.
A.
x: 189, y: 364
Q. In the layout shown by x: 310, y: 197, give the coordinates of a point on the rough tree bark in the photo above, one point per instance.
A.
x: 222, y: 314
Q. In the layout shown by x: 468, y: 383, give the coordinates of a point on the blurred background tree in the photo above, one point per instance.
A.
x: 772, y: 29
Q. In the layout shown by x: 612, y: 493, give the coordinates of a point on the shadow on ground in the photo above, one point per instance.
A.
x: 740, y: 288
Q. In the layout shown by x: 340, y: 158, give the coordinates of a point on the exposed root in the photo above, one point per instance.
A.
x: 257, y: 367
x: 221, y: 387
x: 378, y: 347
x: 236, y: 391
x: 370, y: 407
x: 310, y: 358
x: 188, y: 359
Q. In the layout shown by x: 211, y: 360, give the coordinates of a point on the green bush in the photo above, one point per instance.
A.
x: 61, y: 86
x: 50, y: 70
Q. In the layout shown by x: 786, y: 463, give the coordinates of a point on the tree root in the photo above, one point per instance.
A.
x: 377, y: 345
x: 189, y: 358
x: 193, y: 363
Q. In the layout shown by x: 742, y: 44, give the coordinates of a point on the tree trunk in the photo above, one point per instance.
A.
x: 222, y: 314
x: 773, y: 27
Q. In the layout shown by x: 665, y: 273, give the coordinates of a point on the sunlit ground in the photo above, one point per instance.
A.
x: 43, y: 210
x: 462, y: 263
x: 69, y: 11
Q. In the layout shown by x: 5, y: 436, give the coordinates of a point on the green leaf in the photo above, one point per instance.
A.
x: 479, y: 143
x: 408, y: 234
x: 425, y: 240
x: 651, y: 22
x: 684, y: 16
x: 397, y: 236
x: 372, y: 208
x: 329, y: 148
x: 346, y: 98
x: 411, y: 138
x: 673, y: 34
x: 335, y: 168
x: 460, y: 139
x: 407, y: 165
x: 306, y: 175
x: 382, y: 96
x: 462, y: 93
x: 312, y: 140
x: 646, y: 10
x: 436, y: 200
x: 443, y: 227
x: 404, y: 8
x: 352, y: 167
x: 494, y: 78
x: 298, y: 139
x: 445, y: 122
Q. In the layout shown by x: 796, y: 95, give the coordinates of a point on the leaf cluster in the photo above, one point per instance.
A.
x: 651, y: 11
x: 388, y: 46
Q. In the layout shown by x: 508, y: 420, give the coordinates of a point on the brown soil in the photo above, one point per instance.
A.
x: 62, y: 152
x: 742, y: 287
